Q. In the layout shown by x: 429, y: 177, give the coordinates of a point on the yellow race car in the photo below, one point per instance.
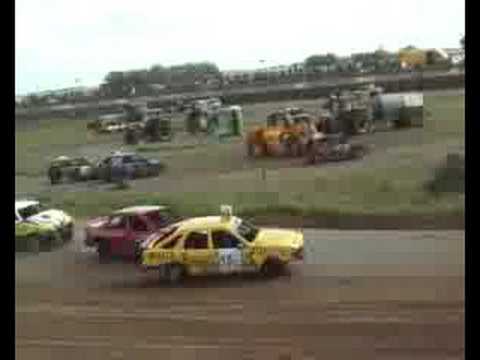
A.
x: 218, y: 244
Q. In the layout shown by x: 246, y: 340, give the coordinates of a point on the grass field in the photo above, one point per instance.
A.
x: 202, y: 174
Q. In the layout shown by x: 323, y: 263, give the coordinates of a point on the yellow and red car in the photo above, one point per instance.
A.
x: 218, y: 244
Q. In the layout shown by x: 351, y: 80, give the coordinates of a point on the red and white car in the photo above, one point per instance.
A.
x: 119, y: 234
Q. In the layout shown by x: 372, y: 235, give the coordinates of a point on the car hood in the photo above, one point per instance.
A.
x: 279, y: 238
x: 55, y: 217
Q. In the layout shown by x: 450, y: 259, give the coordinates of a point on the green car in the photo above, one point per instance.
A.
x: 32, y: 237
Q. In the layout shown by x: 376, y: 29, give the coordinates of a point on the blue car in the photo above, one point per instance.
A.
x: 127, y: 166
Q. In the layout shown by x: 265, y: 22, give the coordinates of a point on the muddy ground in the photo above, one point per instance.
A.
x: 358, y: 294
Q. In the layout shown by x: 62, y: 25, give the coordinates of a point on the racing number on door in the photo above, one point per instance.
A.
x: 226, y: 245
x: 224, y: 259
x: 230, y: 257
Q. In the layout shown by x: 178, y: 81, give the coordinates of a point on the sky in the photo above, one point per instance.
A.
x: 67, y: 43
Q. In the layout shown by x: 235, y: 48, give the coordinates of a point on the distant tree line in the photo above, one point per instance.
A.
x: 380, y: 60
x: 122, y: 83
x: 206, y: 75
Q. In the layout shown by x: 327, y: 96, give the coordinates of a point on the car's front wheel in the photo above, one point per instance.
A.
x: 103, y: 250
x: 272, y: 268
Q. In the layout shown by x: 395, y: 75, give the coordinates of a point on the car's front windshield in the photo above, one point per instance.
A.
x: 158, y: 217
x: 80, y: 162
x: 159, y: 236
x: 28, y: 211
x: 247, y: 230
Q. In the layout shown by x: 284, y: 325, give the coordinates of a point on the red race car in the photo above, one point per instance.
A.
x: 119, y: 234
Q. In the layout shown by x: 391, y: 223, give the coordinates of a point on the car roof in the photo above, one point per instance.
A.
x: 206, y: 222
x: 302, y: 116
x: 121, y: 153
x: 62, y: 158
x: 140, y: 209
x: 69, y: 159
x: 22, y: 204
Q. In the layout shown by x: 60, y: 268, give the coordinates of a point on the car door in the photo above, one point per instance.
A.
x: 141, y: 166
x: 198, y: 254
x: 68, y: 170
x: 138, y: 230
x: 115, y: 232
x: 230, y: 251
x: 128, y: 166
x: 103, y: 169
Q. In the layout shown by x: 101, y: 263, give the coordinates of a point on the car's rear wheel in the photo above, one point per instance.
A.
x: 55, y: 176
x: 103, y: 250
x: 173, y: 273
x: 272, y: 268
x: 155, y: 170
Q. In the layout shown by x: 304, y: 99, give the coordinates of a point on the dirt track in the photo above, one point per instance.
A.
x: 369, y: 294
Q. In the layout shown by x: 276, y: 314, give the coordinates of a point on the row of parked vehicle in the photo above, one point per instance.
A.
x: 130, y: 164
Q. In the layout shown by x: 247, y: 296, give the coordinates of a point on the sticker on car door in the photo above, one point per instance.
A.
x: 229, y: 256
x: 229, y: 252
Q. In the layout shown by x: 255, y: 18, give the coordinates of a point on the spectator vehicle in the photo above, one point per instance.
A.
x: 132, y: 165
x: 72, y: 169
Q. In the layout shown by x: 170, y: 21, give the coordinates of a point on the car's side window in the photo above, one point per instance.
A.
x: 196, y: 240
x: 171, y: 244
x: 157, y: 217
x: 136, y: 158
x: 117, y: 222
x: 117, y: 161
x: 105, y: 162
x: 162, y: 235
x: 138, y: 224
x: 128, y: 159
x: 29, y: 211
x: 224, y: 240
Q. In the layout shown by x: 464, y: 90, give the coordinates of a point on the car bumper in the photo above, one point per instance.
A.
x: 89, y: 238
x: 67, y: 231
x: 88, y: 242
x: 298, y: 255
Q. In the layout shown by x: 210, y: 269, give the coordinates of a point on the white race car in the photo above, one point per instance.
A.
x: 32, y: 211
